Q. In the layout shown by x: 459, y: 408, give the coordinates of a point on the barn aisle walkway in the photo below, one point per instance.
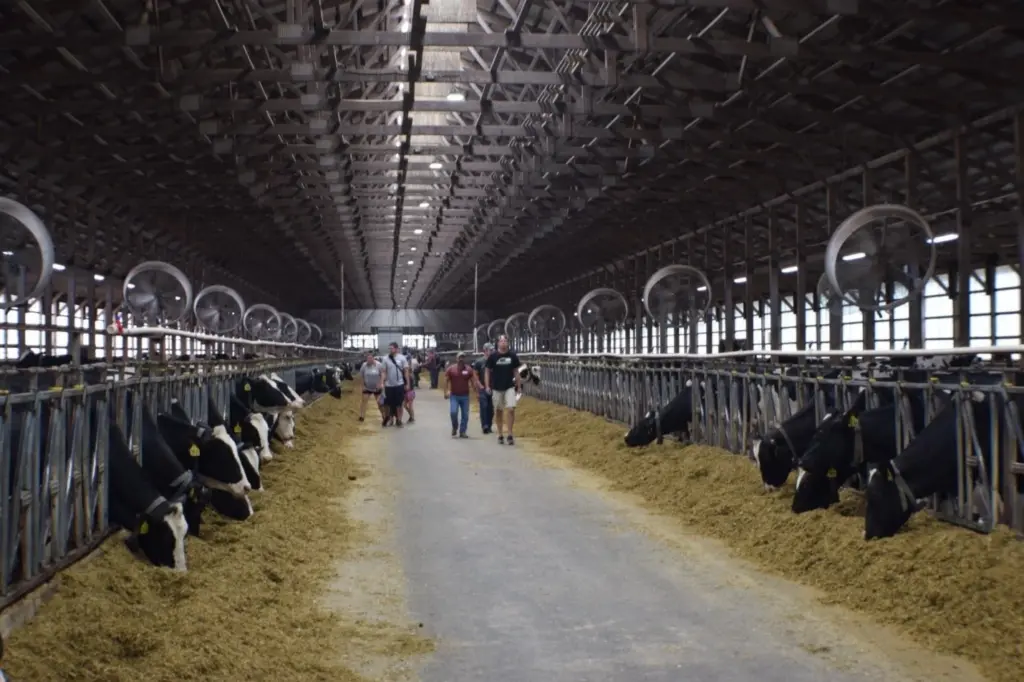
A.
x: 524, y: 575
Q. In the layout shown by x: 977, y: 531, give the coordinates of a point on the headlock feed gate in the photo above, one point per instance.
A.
x: 738, y: 399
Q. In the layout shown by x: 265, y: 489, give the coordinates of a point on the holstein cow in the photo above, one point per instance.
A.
x: 529, y: 373
x: 263, y: 394
x: 250, y: 428
x: 776, y: 455
x: 171, y: 477
x: 847, y: 444
x: 220, y: 467
x: 926, y: 467
x: 248, y: 455
x: 673, y: 418
x: 157, y: 526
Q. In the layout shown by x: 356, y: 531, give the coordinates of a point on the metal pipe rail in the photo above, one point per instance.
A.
x: 736, y: 398
x: 53, y: 488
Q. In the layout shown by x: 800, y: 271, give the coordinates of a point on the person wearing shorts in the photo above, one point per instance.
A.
x: 410, y: 396
x: 503, y: 383
x: 483, y: 397
x: 371, y: 374
x: 397, y: 381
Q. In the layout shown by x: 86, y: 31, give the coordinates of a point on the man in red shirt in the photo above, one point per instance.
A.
x: 457, y: 381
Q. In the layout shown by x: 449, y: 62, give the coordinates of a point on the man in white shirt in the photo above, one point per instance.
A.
x: 396, y: 382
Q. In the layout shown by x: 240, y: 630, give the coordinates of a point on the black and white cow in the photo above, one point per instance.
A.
x: 847, y: 444
x: 673, y: 418
x: 263, y: 394
x: 250, y: 428
x: 174, y: 481
x: 157, y: 526
x: 777, y: 453
x: 248, y: 452
x: 529, y: 373
x: 219, y: 466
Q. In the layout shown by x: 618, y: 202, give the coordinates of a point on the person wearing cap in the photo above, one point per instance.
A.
x: 485, y: 401
x: 458, y: 378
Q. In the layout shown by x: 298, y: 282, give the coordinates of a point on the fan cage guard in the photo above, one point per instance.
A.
x: 601, y: 291
x: 858, y: 221
x: 520, y: 319
x: 667, y: 272
x: 161, y: 267
x: 537, y: 314
x: 218, y: 289
x: 289, y: 328
x: 305, y: 331
x: 495, y: 329
x: 27, y: 218
x: 315, y: 333
x: 269, y: 311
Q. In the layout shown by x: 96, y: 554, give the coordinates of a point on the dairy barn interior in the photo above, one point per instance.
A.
x: 757, y: 264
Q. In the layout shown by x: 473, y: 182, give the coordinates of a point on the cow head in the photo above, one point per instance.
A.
x: 237, y: 508
x: 774, y: 459
x: 827, y: 463
x: 814, y: 491
x: 160, y: 536
x: 284, y: 429
x: 887, y: 511
x: 643, y: 432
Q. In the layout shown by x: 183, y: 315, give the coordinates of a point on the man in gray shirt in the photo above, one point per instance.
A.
x: 396, y: 382
x: 372, y: 375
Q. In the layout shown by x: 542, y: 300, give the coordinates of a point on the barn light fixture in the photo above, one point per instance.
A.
x: 130, y: 285
x: 456, y: 96
x: 740, y: 280
x: 702, y: 288
x: 412, y: 248
x: 417, y: 231
x: 943, y: 238
x: 425, y: 204
x: 855, y: 256
x: 8, y: 253
x: 98, y: 278
x: 435, y: 166
x: 59, y: 268
x: 405, y: 281
x: 410, y: 263
x: 789, y: 269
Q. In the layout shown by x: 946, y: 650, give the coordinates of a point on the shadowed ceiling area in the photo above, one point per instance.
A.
x: 556, y: 145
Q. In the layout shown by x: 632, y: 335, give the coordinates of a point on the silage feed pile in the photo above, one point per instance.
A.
x: 956, y: 591
x: 247, y: 608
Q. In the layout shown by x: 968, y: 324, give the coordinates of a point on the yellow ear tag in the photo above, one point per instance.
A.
x: 853, y: 421
x: 238, y: 428
x: 247, y: 388
x: 192, y: 494
x: 144, y: 528
x: 194, y: 451
x: 888, y: 475
x: 831, y: 473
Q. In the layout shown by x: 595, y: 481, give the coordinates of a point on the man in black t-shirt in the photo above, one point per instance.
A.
x: 503, y: 383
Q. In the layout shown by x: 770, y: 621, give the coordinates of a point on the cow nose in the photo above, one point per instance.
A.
x: 246, y: 487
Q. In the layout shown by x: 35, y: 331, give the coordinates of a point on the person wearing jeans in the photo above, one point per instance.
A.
x: 458, y: 378
x: 485, y: 399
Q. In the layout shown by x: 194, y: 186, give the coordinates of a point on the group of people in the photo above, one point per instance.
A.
x: 391, y: 382
x: 498, y: 391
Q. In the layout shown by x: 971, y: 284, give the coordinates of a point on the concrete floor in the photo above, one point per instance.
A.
x: 524, y: 575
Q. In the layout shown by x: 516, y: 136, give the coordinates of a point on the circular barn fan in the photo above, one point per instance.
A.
x: 157, y: 293
x: 305, y: 331
x: 516, y: 326
x: 289, y: 328
x: 825, y: 293
x: 219, y: 309
x: 262, y: 322
x: 18, y: 221
x: 674, y: 290
x: 877, y: 247
x: 602, y: 310
x: 546, y: 322
x: 480, y: 333
x: 495, y: 330
x: 315, y: 333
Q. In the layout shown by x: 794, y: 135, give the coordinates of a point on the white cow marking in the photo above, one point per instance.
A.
x: 240, y: 488
x: 175, y: 520
x: 260, y: 423
x: 799, y: 477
